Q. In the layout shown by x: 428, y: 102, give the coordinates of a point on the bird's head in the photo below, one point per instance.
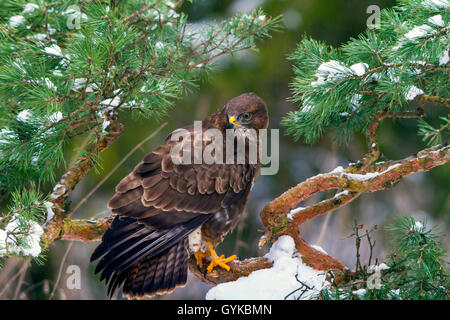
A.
x: 248, y: 111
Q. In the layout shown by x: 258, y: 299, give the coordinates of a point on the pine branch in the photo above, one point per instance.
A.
x: 381, y: 176
x: 84, y: 230
x: 55, y: 228
x: 445, y: 102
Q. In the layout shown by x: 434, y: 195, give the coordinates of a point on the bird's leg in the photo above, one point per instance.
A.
x: 218, y: 261
x: 199, y: 256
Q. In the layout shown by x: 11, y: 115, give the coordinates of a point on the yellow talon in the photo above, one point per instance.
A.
x: 218, y: 261
x: 215, y: 259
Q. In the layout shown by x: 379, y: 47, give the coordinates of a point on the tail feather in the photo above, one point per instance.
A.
x: 120, y: 231
x: 168, y: 272
x: 141, y: 287
x: 130, y: 253
x: 116, y: 280
x: 125, y: 253
x: 180, y: 258
x: 158, y: 275
x: 145, y: 260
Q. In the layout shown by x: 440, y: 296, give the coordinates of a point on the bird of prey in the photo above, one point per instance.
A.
x: 164, y: 212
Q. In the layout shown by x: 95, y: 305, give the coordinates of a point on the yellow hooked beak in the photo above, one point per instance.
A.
x: 232, y: 122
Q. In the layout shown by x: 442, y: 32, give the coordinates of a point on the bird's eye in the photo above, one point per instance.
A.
x: 246, y: 116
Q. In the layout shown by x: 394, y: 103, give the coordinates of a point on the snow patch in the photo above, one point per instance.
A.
x: 335, y: 70
x: 394, y: 294
x: 40, y: 36
x: 338, y: 169
x: 51, y: 30
x: 3, y: 236
x: 319, y: 248
x: 50, y: 214
x: 111, y: 102
x: 436, y: 4
x: 105, y: 126
x: 16, y: 21
x: 355, y: 102
x: 395, y: 48
x: 75, y: 14
x: 6, y: 135
x: 361, y: 177
x: 24, y: 115
x: 307, y: 105
x: 275, y: 283
x: 376, y: 268
x: 342, y: 193
x: 79, y: 83
x: 413, y: 92
x: 330, y: 71
x: 30, y: 7
x: 360, y: 292
x: 57, y: 73
x: 50, y: 84
x: 418, y: 227
x: 444, y: 58
x: 418, y: 32
x: 55, y: 117
x: 437, y: 20
x: 359, y: 68
x: 31, y: 239
x: 293, y: 212
x: 54, y: 49
x: 58, y: 190
x: 369, y: 175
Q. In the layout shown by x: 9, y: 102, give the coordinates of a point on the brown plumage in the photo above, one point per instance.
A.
x: 160, y: 204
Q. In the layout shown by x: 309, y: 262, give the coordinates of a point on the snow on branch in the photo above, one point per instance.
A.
x: 380, y: 176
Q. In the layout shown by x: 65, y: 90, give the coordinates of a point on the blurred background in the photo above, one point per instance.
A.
x: 268, y: 74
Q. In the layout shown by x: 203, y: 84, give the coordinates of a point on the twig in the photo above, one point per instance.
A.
x: 371, y: 246
x: 13, y: 278
x: 137, y: 13
x: 356, y: 228
x: 77, y: 230
x: 22, y: 272
x: 63, y: 261
x: 443, y: 101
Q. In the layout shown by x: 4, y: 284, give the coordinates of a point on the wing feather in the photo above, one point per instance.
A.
x: 122, y: 199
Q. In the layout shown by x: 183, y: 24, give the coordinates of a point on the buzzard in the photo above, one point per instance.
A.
x: 165, y: 211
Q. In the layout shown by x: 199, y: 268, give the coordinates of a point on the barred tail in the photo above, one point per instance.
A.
x: 158, y: 275
x: 146, y: 261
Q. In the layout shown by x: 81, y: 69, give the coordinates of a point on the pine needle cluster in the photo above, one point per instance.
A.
x: 388, y: 72
x: 415, y: 269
